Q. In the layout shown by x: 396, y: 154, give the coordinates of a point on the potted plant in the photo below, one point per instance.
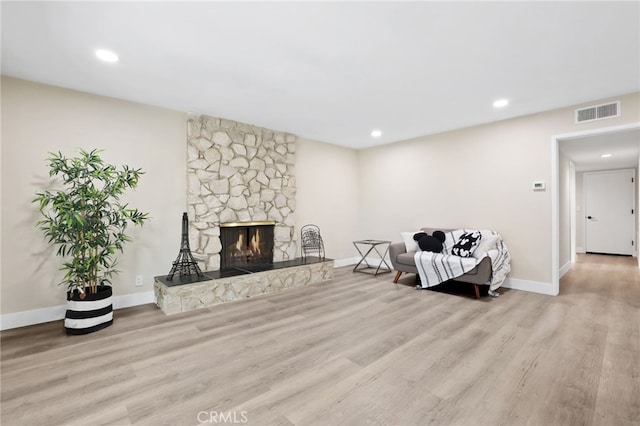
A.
x: 87, y: 222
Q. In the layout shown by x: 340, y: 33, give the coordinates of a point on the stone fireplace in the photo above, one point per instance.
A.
x: 246, y: 245
x: 241, y: 198
x: 238, y: 173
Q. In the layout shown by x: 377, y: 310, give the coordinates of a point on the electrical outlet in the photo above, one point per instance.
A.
x: 139, y: 281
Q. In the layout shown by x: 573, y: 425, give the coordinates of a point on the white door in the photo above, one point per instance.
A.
x: 609, y: 210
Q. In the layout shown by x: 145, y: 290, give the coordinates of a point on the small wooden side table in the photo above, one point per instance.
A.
x: 373, y: 246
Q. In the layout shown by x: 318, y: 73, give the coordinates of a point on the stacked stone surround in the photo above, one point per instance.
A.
x: 189, y: 297
x: 238, y: 173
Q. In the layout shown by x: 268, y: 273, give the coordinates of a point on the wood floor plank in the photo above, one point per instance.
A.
x: 355, y: 350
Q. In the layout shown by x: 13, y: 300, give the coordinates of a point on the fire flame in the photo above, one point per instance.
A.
x: 254, y: 244
x: 240, y: 243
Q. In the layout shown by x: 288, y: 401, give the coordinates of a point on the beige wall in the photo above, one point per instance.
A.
x: 327, y: 178
x: 478, y: 177
x: 37, y: 119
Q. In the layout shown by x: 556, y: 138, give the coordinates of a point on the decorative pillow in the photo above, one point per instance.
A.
x: 487, y: 243
x: 409, y: 242
x: 466, y: 244
x: 432, y: 243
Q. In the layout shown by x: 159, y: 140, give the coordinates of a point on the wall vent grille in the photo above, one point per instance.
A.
x: 598, y: 112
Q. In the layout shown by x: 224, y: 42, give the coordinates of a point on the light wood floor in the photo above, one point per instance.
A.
x: 357, y: 350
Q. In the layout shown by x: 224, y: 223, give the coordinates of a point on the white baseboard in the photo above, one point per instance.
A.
x: 565, y: 268
x: 134, y: 299
x: 35, y: 316
x: 513, y: 283
x: 532, y: 286
x: 580, y: 250
x: 55, y: 313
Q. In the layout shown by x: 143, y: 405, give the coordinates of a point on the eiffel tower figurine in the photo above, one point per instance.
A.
x: 185, y: 265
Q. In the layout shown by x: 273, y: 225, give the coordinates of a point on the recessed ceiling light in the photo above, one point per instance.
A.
x: 376, y: 133
x: 605, y: 155
x: 501, y: 103
x: 106, y: 55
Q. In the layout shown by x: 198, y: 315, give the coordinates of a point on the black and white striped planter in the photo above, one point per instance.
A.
x: 90, y: 314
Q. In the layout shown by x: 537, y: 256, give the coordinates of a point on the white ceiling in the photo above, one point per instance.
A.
x: 586, y: 152
x: 333, y: 71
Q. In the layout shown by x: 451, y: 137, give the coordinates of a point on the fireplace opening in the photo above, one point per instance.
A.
x: 246, y: 245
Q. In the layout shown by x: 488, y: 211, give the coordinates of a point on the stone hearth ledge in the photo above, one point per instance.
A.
x: 203, y: 294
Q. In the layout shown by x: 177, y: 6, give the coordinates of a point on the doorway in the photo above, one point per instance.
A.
x: 609, y: 208
x: 582, y: 139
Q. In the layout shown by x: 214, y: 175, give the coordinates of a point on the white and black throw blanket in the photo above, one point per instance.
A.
x: 436, y: 268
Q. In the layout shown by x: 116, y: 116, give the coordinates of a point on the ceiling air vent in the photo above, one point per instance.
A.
x: 598, y: 112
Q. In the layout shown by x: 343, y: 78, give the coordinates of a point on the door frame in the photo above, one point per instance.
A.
x: 555, y: 193
x: 633, y: 203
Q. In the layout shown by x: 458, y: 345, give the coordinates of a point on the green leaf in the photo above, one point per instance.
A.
x: 85, y: 219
